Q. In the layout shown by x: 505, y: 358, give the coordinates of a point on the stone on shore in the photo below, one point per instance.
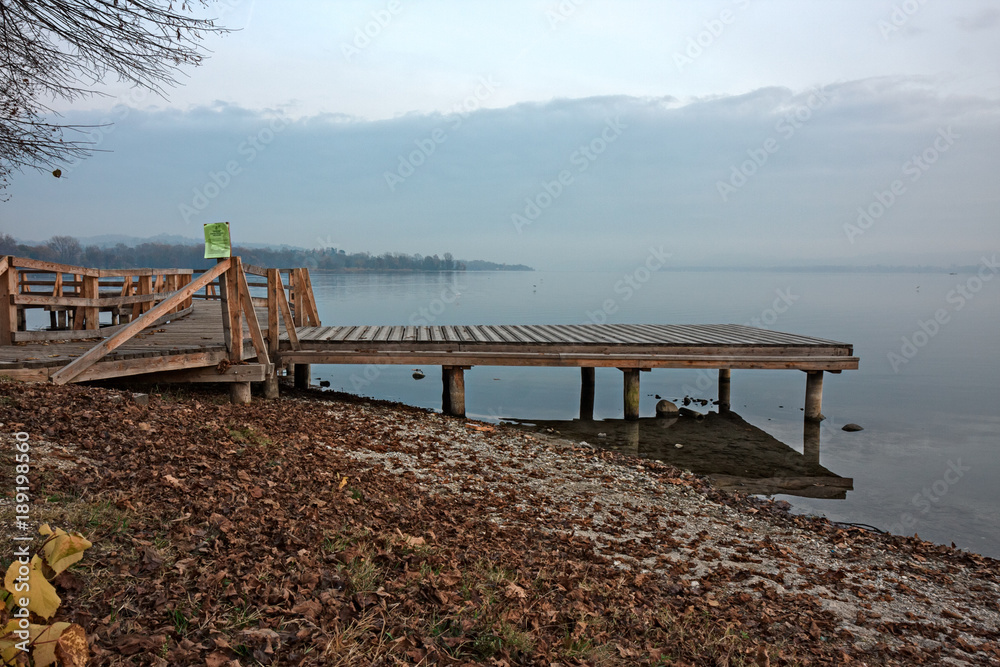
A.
x: 666, y: 408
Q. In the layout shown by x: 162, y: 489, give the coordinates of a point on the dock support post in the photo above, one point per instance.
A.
x: 814, y: 396
x: 725, y: 376
x: 239, y: 393
x: 303, y: 375
x: 453, y: 390
x: 587, y: 375
x: 271, y: 385
x: 631, y: 393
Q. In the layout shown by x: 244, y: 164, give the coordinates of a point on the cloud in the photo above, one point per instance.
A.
x: 983, y: 20
x: 766, y: 177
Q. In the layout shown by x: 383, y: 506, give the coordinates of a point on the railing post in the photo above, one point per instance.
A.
x: 273, y: 282
x: 232, y: 316
x: 8, y: 311
x: 91, y: 314
x: 232, y: 326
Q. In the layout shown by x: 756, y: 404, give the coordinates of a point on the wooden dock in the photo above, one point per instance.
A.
x: 173, y: 326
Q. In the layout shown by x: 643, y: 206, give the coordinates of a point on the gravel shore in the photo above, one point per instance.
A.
x: 647, y: 518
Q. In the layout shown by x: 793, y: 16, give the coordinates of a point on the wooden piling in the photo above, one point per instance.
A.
x: 814, y: 396
x: 453, y: 390
x: 725, y: 377
x: 587, y: 382
x: 271, y: 385
x: 631, y: 393
x: 303, y: 375
x: 239, y: 393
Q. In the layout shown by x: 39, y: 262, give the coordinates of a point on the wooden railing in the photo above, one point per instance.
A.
x: 296, y: 282
x: 76, y: 296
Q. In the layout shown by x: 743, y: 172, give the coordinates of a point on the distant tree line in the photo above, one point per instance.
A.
x: 68, y: 250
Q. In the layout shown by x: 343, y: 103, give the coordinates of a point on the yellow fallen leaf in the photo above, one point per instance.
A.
x: 62, y: 549
x: 342, y: 484
x: 41, y: 595
x: 65, y: 642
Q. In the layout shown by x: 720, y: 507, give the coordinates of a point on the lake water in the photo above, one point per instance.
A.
x: 926, y: 394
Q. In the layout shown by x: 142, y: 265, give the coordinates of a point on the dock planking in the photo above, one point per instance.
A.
x: 641, y: 346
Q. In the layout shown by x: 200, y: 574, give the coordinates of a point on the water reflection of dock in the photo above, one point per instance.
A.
x: 734, y: 454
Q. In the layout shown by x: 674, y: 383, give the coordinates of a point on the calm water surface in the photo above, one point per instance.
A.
x: 927, y: 460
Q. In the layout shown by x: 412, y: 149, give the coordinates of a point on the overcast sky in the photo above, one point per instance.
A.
x: 565, y: 134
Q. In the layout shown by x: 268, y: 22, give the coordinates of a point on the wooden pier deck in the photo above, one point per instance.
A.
x: 171, y: 335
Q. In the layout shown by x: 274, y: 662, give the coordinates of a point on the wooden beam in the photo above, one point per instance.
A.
x: 309, y: 300
x: 286, y: 315
x: 90, y: 357
x: 248, y: 310
x: 53, y: 267
x: 344, y: 354
x: 232, y: 317
x: 87, y: 302
x: 103, y: 332
x: 8, y: 311
x: 273, y: 332
x: 211, y: 374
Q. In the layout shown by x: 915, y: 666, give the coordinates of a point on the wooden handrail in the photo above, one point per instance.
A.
x: 42, y: 266
x: 94, y: 354
x: 256, y: 335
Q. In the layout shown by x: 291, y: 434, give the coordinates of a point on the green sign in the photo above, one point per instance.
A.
x: 217, y: 240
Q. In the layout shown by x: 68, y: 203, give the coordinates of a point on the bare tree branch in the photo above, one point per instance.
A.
x: 62, y: 49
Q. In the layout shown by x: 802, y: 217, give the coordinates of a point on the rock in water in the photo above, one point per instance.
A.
x: 324, y: 383
x: 665, y: 408
x: 853, y: 427
x: 418, y: 374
